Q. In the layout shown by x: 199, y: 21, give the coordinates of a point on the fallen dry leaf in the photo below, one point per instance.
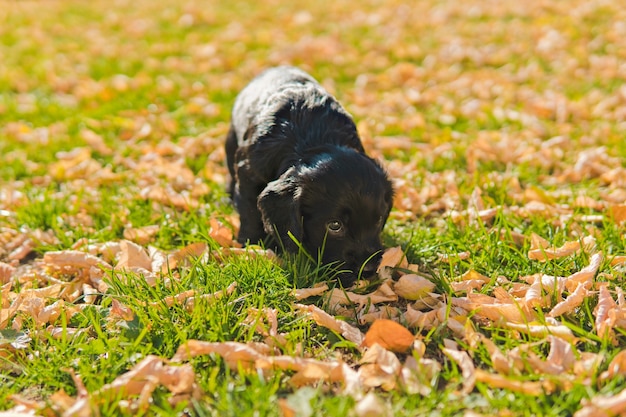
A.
x: 371, y: 406
x: 466, y: 365
x: 494, y: 310
x: 618, y: 260
x: 603, y: 406
x: 447, y: 258
x: 390, y: 335
x: 573, y: 301
x: 382, y: 294
x: 540, y: 249
x: 235, y: 354
x: 309, y: 371
x: 120, y: 310
x: 413, y: 286
x: 140, y: 381
x: 423, y: 320
x: 374, y: 313
x: 501, y: 362
x: 617, y: 367
x: 6, y: 271
x: 606, y: 305
x: 74, y: 259
x: 618, y: 213
x: 542, y: 330
x: 141, y: 235
x: 391, y: 258
x: 498, y: 381
x: 585, y: 275
x: 133, y: 256
x: 302, y: 293
x: 324, y: 319
x: 286, y: 410
x: 193, y: 250
x: 222, y: 234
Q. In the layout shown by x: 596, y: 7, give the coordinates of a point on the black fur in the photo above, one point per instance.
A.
x: 298, y: 168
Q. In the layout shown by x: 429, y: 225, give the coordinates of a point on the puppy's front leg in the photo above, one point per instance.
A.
x: 245, y: 199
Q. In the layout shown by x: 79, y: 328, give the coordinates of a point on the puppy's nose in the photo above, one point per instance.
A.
x: 369, y: 269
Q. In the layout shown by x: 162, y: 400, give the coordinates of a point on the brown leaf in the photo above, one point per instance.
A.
x: 383, y: 294
x: 371, y: 406
x: 141, y: 235
x: 235, y: 354
x: 574, y: 300
x: 302, y: 293
x: 618, y: 213
x: 447, y: 258
x: 543, y: 330
x: 222, y: 234
x: 326, y: 320
x: 618, y: 260
x: 391, y: 258
x: 385, y: 359
x: 493, y: 309
x: 603, y: 406
x: 498, y: 381
x: 285, y: 409
x: 133, y: 256
x: 616, y: 368
x: 308, y: 370
x: 74, y: 259
x: 540, y: 249
x: 467, y: 368
x: 6, y: 271
x: 390, y: 335
x: 501, y: 362
x: 120, y: 310
x: 420, y: 320
x: 177, y: 379
x: 374, y: 313
x: 193, y: 250
x: 95, y: 141
x: 585, y: 275
x: 141, y: 380
x: 413, y: 286
x: 606, y: 305
x: 190, y: 302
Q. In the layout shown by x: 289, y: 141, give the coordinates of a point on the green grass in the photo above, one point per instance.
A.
x: 156, y: 81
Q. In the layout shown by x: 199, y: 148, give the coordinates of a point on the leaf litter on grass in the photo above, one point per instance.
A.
x: 382, y: 346
x: 486, y: 119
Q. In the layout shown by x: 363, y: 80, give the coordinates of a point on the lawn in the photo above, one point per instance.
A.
x: 122, y: 291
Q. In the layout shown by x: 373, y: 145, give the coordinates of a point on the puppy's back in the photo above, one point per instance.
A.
x: 256, y: 96
x: 287, y: 103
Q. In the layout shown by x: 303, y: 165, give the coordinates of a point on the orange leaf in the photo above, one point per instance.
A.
x: 499, y: 381
x: 390, y: 335
x: 413, y: 287
x: 324, y: 319
x: 141, y: 235
x: 391, y: 258
x: 133, y: 255
x: 618, y: 213
x: 302, y: 293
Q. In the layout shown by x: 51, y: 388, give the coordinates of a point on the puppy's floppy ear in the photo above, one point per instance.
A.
x: 279, y: 204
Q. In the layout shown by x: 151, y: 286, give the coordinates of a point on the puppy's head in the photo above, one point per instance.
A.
x: 335, y: 202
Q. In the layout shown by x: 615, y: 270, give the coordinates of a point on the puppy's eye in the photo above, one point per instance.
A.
x: 334, y: 226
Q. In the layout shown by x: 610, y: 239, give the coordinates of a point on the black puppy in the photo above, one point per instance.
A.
x: 299, y: 173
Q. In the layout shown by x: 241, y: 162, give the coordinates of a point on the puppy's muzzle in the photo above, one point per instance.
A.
x: 365, y: 263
